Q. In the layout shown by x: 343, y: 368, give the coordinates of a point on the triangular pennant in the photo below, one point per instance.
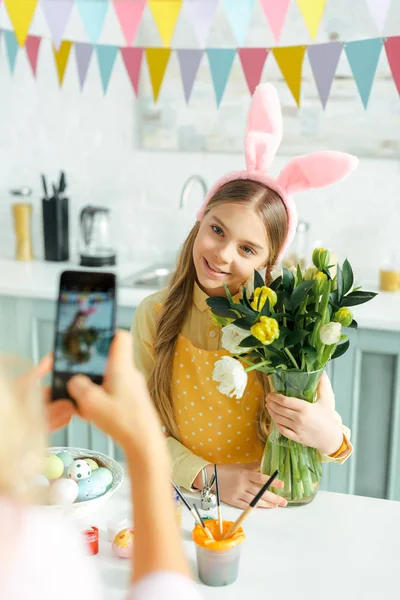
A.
x: 312, y: 11
x: 93, y: 14
x: 32, y: 46
x: 221, y: 61
x: 239, y: 14
x: 290, y: 61
x: 157, y: 61
x: 83, y: 54
x: 189, y: 61
x: 201, y: 15
x: 324, y: 59
x: 11, y: 48
x: 129, y: 13
x: 275, y: 13
x: 21, y: 14
x: 363, y: 58
x: 165, y: 14
x: 61, y: 57
x: 253, y: 61
x: 379, y: 11
x: 392, y: 47
x: 132, y: 58
x: 57, y: 16
x: 106, y: 55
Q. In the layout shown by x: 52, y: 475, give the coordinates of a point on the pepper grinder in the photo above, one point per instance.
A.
x: 22, y: 213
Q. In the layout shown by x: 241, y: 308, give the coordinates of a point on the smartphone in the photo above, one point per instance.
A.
x: 85, y: 326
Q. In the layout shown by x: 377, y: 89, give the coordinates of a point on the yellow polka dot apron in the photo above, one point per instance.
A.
x: 217, y: 428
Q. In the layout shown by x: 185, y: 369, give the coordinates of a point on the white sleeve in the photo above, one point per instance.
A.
x: 164, y: 584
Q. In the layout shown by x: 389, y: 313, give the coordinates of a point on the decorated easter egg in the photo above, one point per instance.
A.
x: 92, y: 463
x: 123, y: 543
x: 90, y: 488
x: 104, y: 475
x: 63, y: 491
x: 67, y: 459
x: 53, y: 467
x: 79, y: 470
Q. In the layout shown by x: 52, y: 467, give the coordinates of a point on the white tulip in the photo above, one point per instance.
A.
x: 231, y: 375
x: 232, y: 336
x: 330, y: 333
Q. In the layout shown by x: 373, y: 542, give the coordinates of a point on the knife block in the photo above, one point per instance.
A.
x: 55, y: 229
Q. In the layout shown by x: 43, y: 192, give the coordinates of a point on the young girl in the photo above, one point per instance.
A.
x: 247, y: 222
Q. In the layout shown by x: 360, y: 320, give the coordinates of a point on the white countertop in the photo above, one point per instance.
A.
x: 338, y: 547
x: 39, y: 279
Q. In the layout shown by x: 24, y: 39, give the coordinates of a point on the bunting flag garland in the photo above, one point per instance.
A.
x: 21, y: 14
x: 379, y: 11
x: 392, y: 47
x: 61, y: 57
x: 165, y: 14
x: 324, y: 59
x: 93, y: 14
x: 312, y: 11
x: 239, y: 14
x: 32, y: 46
x: 129, y: 13
x: 57, y: 15
x: 189, y: 62
x: 253, y: 61
x: 363, y: 58
x: 106, y: 56
x: 11, y: 48
x: 132, y: 58
x: 201, y: 14
x: 290, y: 62
x: 157, y: 61
x: 83, y: 55
x: 275, y: 13
x: 221, y: 61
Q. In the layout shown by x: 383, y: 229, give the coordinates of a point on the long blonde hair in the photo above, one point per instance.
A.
x: 271, y: 210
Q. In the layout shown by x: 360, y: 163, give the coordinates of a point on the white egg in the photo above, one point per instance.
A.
x: 40, y: 481
x: 63, y: 491
x: 79, y: 470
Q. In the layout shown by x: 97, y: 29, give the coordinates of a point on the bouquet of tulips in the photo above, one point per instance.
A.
x: 288, y: 330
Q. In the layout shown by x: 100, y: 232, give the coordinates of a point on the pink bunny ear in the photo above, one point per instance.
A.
x: 316, y: 170
x: 264, y: 128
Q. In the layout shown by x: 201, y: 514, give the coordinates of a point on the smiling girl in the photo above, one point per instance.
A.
x: 247, y: 222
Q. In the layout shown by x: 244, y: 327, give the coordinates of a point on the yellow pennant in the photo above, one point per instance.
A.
x: 312, y: 11
x: 21, y: 14
x: 61, y: 57
x: 290, y: 62
x: 157, y: 60
x: 165, y: 14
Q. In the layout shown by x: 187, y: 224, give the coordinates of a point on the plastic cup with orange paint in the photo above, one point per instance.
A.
x: 217, y: 560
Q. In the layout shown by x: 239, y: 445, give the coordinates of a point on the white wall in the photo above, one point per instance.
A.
x: 44, y: 129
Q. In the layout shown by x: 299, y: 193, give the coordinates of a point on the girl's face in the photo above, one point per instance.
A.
x: 230, y: 244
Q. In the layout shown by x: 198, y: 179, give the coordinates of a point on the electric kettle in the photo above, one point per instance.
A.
x: 94, y: 241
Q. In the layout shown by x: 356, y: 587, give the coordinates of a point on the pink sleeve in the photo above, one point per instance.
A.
x: 164, y: 584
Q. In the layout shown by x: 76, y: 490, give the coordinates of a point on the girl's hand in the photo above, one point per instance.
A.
x: 313, y: 425
x: 238, y: 484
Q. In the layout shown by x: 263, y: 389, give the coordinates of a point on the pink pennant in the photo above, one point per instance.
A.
x: 133, y: 61
x: 129, y: 13
x: 275, y: 12
x: 392, y: 47
x: 253, y: 60
x: 32, y: 46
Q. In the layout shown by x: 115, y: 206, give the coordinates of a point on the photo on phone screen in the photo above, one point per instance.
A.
x: 85, y: 327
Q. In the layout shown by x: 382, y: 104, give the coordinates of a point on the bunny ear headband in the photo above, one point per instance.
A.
x: 262, y: 140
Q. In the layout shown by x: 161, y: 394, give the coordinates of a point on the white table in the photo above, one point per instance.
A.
x: 338, y: 547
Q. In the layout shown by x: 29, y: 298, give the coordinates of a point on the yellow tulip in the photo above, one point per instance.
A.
x: 264, y: 292
x: 343, y: 316
x: 266, y: 331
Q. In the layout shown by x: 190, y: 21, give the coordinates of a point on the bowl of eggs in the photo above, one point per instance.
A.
x: 78, y: 481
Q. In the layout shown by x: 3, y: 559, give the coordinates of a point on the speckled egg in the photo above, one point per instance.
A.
x: 123, y: 543
x: 53, y: 467
x: 92, y: 463
x: 63, y: 491
x: 104, y: 475
x: 90, y: 488
x: 67, y: 459
x: 79, y: 470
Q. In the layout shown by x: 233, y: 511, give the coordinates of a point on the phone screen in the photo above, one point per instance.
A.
x: 85, y: 327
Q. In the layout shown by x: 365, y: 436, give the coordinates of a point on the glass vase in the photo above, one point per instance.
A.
x: 299, y: 466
